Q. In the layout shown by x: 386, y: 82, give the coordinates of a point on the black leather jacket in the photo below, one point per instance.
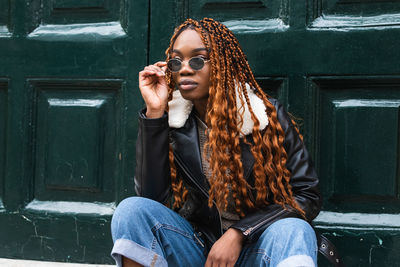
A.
x: 152, y: 178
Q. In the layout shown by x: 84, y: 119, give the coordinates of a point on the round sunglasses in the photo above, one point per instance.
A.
x: 196, y: 63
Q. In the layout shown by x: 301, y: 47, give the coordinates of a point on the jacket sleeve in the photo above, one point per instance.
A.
x: 304, y: 182
x: 152, y: 177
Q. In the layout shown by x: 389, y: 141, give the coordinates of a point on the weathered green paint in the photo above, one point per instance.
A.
x: 69, y: 99
x: 68, y: 105
x: 365, y: 239
x: 55, y: 237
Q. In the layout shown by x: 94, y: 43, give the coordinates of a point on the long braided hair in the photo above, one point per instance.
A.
x: 230, y: 72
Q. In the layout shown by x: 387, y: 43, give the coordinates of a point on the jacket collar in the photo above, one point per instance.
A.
x: 180, y: 109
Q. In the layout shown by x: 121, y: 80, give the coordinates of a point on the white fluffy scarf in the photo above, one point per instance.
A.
x: 180, y: 108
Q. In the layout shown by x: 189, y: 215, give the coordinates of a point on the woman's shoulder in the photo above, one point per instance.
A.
x: 275, y: 102
x: 281, y: 114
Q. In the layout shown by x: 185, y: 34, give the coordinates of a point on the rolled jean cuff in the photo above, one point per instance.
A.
x: 137, y: 253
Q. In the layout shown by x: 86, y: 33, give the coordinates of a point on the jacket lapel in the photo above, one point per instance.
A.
x: 187, y: 151
x: 247, y: 161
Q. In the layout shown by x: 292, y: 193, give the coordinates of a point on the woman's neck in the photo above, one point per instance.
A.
x: 200, y: 107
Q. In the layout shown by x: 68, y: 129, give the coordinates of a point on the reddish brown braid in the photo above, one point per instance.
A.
x: 230, y: 72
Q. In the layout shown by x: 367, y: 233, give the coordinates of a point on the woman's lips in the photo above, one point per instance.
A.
x: 187, y: 84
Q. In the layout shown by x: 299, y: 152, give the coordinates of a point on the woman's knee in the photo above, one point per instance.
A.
x: 130, y: 213
x: 291, y: 229
x: 128, y: 207
x: 134, y: 206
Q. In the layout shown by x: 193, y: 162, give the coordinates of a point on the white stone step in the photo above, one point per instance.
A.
x: 28, y: 263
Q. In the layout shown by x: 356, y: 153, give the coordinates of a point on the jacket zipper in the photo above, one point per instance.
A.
x: 201, y: 189
x: 251, y: 229
x: 198, y: 240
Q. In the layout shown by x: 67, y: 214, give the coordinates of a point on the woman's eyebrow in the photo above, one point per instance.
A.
x: 200, y: 49
x: 194, y: 50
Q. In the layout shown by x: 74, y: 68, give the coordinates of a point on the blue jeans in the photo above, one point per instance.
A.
x: 151, y: 234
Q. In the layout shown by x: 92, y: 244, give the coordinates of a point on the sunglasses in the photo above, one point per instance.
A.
x: 196, y: 63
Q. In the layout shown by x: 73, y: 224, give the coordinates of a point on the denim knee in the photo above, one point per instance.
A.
x: 291, y: 232
x: 290, y: 240
x: 290, y: 227
x: 129, y: 214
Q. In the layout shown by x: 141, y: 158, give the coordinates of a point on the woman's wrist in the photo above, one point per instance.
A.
x: 154, y: 114
x: 236, y: 234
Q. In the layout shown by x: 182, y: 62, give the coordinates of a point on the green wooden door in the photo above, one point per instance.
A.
x: 68, y: 105
x: 336, y: 65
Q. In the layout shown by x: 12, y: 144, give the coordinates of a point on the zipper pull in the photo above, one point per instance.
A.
x: 198, y: 240
x: 248, y: 231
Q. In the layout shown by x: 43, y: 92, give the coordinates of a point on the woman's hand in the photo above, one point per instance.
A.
x: 226, y: 250
x: 154, y: 89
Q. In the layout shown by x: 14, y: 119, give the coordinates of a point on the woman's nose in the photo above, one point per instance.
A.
x: 186, y: 69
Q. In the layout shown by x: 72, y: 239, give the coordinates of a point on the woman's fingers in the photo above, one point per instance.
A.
x: 157, y: 68
x: 154, y: 70
x: 160, y: 63
x: 146, y: 73
x: 153, y: 75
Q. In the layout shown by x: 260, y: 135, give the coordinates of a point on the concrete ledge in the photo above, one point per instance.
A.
x: 23, y: 263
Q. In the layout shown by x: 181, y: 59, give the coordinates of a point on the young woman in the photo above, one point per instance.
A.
x: 224, y: 156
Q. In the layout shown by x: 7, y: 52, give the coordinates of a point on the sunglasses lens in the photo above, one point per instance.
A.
x: 196, y: 63
x: 174, y: 65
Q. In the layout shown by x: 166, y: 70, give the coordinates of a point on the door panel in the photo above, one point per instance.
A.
x: 74, y: 11
x: 359, y: 132
x: 76, y: 139
x: 68, y: 105
x: 354, y: 13
x: 259, y: 13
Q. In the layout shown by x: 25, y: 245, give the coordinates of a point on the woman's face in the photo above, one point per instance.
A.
x: 193, y: 84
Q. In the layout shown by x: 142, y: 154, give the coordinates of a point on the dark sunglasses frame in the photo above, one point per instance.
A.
x: 193, y: 63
